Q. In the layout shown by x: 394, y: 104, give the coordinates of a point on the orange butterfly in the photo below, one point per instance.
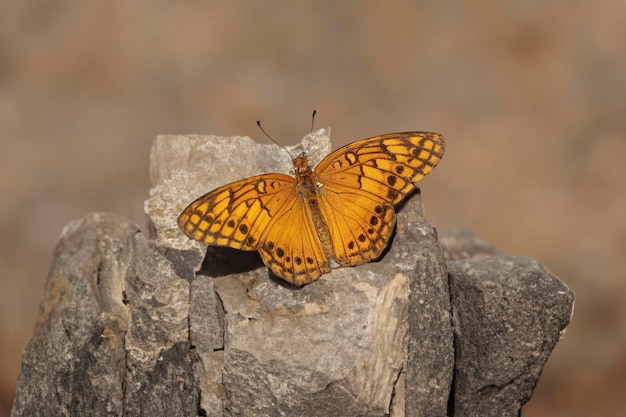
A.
x: 341, y: 211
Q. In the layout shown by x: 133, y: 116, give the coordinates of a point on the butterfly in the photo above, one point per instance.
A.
x: 342, y: 212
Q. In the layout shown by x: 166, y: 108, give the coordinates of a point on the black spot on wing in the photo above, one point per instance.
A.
x: 392, y: 194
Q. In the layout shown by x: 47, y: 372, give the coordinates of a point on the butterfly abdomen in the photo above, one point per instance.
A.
x: 308, y: 189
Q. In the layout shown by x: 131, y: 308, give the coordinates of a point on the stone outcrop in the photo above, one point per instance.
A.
x: 136, y: 323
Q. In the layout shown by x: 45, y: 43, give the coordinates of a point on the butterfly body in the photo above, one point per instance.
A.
x: 340, y: 212
x: 308, y: 189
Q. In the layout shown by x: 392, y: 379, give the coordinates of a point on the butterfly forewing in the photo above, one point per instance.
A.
x: 237, y: 215
x: 386, y: 166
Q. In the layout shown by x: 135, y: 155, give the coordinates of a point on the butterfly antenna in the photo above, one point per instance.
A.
x: 258, y: 123
x: 313, y: 119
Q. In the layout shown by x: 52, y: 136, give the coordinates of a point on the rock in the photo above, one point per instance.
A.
x: 508, y: 314
x: 430, y: 359
x: 159, y: 325
x: 341, y: 342
x: 112, y: 334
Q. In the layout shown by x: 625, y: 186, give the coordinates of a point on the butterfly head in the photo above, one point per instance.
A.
x: 301, y: 165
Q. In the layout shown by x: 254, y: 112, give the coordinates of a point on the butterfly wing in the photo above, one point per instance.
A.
x: 292, y: 248
x: 363, y: 181
x: 237, y: 215
x: 260, y: 213
x: 386, y: 167
x: 359, y: 225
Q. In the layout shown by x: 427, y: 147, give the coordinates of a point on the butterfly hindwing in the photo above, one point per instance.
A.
x: 359, y: 225
x: 291, y: 248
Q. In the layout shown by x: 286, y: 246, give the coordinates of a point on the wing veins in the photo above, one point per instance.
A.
x: 252, y: 226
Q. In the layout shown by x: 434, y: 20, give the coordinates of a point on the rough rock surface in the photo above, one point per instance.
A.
x: 158, y: 325
x: 508, y: 314
x: 112, y: 334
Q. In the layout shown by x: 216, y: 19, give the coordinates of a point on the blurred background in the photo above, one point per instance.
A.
x: 530, y: 96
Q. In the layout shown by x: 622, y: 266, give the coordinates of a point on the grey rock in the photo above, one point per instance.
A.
x: 508, y: 313
x: 430, y: 359
x: 73, y: 363
x: 112, y: 334
x: 342, y: 341
x: 131, y: 325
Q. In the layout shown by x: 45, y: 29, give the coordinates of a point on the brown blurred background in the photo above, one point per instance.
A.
x: 530, y: 95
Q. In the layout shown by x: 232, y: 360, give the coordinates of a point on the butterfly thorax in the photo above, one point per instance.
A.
x: 306, y: 181
x: 309, y: 189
